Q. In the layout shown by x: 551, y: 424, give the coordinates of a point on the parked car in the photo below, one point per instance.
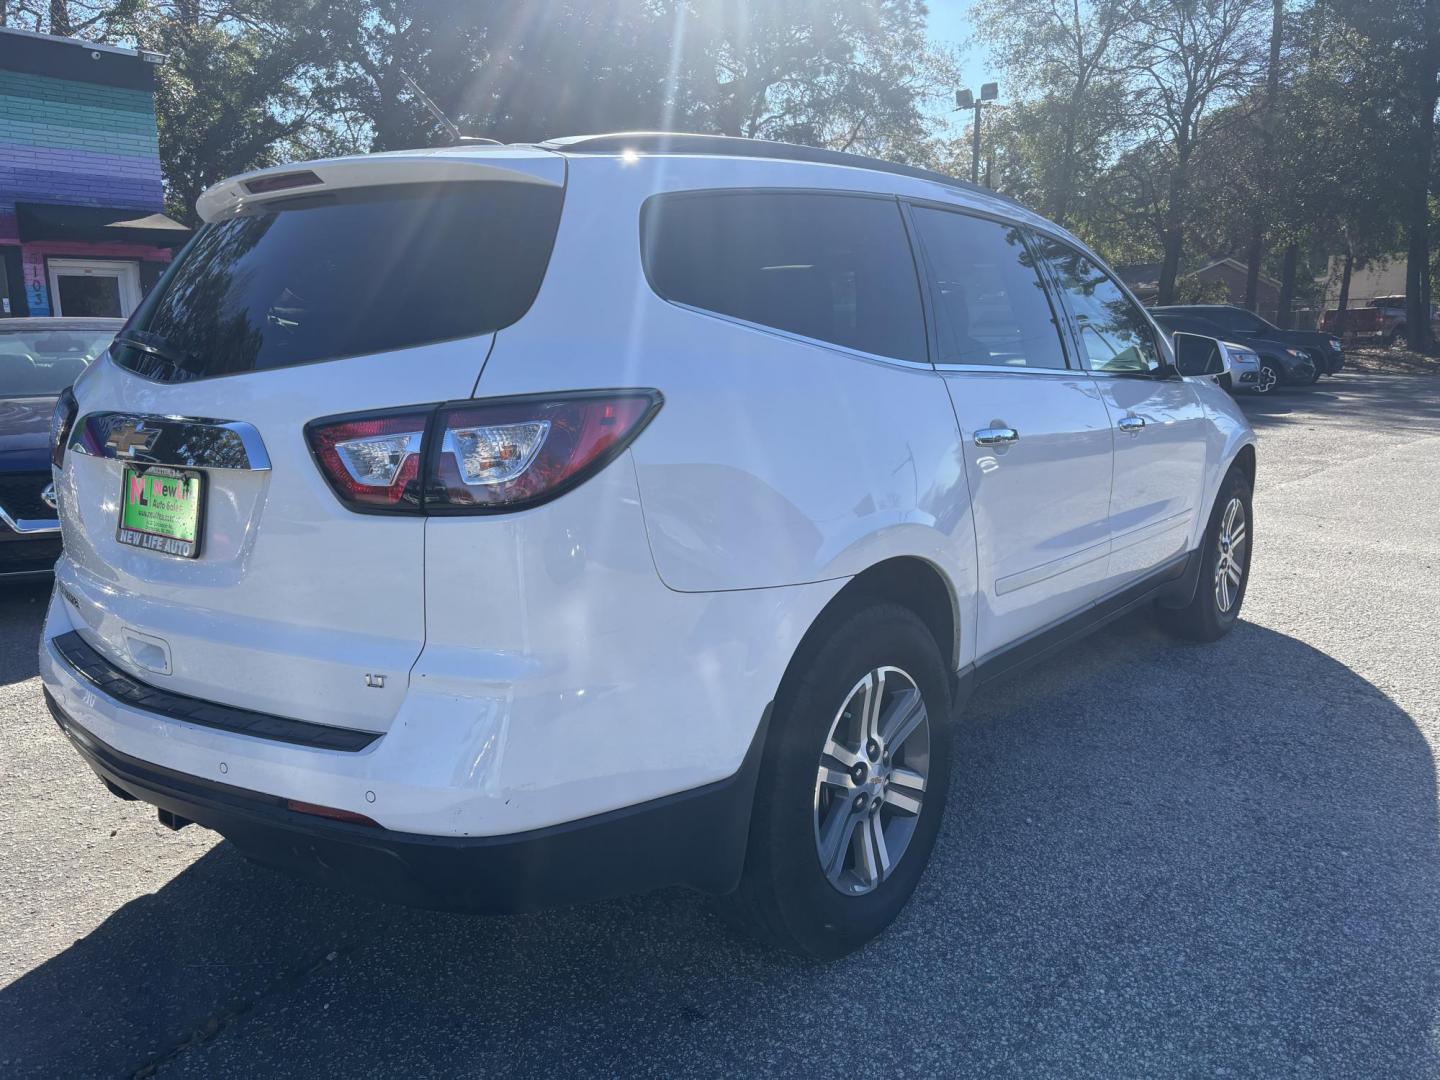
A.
x: 1246, y: 372
x: 1296, y: 357
x: 1383, y: 319
x: 38, y: 359
x: 621, y: 533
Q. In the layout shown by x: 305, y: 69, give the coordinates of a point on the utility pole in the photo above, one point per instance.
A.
x: 966, y: 100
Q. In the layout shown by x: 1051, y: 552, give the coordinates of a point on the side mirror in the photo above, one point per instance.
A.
x: 1196, y: 354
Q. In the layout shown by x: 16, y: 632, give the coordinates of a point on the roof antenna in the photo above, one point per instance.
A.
x: 456, y: 138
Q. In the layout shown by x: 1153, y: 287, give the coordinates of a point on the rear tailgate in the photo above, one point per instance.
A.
x: 349, y: 299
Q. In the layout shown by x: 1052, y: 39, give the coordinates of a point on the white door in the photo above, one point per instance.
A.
x: 1037, y: 438
x: 94, y: 287
x: 1160, y: 425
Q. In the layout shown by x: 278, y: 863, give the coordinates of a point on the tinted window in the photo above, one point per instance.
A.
x: 990, y: 306
x: 1235, y: 319
x: 324, y: 276
x: 831, y: 267
x: 1114, y: 333
x: 41, y: 363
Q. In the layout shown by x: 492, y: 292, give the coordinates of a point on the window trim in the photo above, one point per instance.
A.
x: 1058, y: 314
x: 927, y: 364
x: 1157, y: 338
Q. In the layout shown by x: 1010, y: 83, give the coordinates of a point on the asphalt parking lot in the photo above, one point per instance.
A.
x: 1159, y: 860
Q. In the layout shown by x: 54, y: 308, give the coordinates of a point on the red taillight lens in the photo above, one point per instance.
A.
x: 61, y: 422
x: 511, y: 453
x: 477, y: 457
x: 372, y: 462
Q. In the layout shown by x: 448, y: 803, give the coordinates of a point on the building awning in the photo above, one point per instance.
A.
x: 98, y: 224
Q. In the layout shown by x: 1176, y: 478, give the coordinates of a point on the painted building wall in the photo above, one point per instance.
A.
x: 78, y: 143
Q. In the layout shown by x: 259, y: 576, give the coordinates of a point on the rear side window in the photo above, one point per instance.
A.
x: 836, y: 268
x: 990, y: 306
x: 341, y: 274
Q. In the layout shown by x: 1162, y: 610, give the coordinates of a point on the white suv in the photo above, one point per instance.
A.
x: 491, y: 527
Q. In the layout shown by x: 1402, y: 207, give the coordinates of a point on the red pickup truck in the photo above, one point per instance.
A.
x: 1383, y: 319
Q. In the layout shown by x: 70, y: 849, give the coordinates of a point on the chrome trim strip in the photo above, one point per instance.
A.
x: 183, y: 442
x: 1006, y: 369
x: 30, y: 526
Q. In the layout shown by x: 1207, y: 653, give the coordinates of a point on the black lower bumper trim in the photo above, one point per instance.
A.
x: 123, y: 687
x: 695, y: 838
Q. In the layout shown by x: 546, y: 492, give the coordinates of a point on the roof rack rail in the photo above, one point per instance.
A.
x: 676, y: 142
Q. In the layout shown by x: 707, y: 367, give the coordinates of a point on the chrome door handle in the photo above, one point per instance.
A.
x: 1131, y: 425
x: 992, y: 436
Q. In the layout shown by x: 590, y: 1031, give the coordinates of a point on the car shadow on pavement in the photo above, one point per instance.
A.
x: 1158, y: 859
x: 1390, y: 401
x: 22, y: 613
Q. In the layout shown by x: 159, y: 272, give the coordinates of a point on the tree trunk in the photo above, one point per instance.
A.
x: 1174, y: 237
x: 1253, y: 257
x: 59, y: 18
x: 1417, y: 269
x: 1256, y: 255
x: 1285, y: 317
x: 1060, y: 202
x: 1343, y: 304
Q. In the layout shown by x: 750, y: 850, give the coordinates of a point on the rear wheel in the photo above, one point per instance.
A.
x: 852, y: 788
x: 1224, y: 568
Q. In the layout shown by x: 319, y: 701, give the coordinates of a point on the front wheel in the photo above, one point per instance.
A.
x: 1224, y: 567
x: 852, y: 788
x: 1269, y: 377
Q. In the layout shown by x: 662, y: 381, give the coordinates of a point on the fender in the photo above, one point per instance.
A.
x: 1229, y: 433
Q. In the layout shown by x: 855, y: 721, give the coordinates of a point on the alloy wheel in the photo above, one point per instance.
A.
x: 1266, y: 380
x: 871, y: 780
x: 1230, y: 560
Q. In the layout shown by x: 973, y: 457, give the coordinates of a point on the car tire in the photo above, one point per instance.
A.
x: 1224, y: 554
x: 1269, y: 379
x: 805, y: 800
x: 1397, y: 338
x: 1317, y: 371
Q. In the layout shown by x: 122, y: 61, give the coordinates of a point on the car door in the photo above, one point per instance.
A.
x: 1160, y: 425
x: 1035, y: 434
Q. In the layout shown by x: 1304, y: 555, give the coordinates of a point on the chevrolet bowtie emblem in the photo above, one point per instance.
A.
x: 130, y: 435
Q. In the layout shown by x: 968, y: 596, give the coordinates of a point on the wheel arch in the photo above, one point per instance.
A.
x: 1244, y: 460
x: 908, y: 580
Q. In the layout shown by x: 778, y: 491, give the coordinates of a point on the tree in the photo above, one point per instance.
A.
x: 1193, y: 56
x: 231, y: 90
x: 1265, y: 166
x: 1062, y: 55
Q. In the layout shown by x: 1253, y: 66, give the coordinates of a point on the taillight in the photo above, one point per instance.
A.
x: 515, y: 452
x: 477, y: 457
x: 372, y: 462
x: 62, y: 419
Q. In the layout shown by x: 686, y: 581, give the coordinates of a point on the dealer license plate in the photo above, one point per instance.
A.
x: 162, y: 510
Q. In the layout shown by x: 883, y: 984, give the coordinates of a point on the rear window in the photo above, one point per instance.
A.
x: 836, y: 268
x: 323, y: 276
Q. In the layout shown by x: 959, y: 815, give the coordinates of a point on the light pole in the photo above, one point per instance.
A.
x: 965, y: 100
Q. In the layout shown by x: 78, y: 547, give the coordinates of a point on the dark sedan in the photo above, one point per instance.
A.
x: 1296, y: 356
x: 38, y: 359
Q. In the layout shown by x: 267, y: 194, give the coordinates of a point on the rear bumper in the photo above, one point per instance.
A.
x: 695, y: 838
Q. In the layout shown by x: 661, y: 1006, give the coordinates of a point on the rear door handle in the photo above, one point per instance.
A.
x: 994, y: 436
x: 1131, y: 425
